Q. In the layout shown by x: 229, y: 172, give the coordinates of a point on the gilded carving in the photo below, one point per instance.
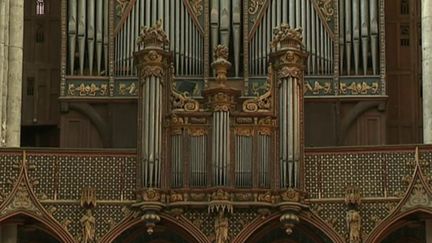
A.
x: 197, y: 196
x: 183, y: 102
x: 327, y: 8
x: 197, y: 132
x: 151, y: 65
x: 243, y: 196
x: 88, y: 197
x: 121, y: 6
x: 88, y: 223
x: 262, y: 103
x: 197, y: 7
x: 125, y: 89
x: 88, y: 89
x: 153, y: 36
x: 222, y: 102
x: 318, y: 88
x: 221, y: 228
x: 265, y: 131
x: 220, y: 195
x: 244, y: 131
x: 151, y: 195
x: 418, y: 197
x: 221, y: 64
x: 284, y: 34
x: 21, y: 200
x: 352, y: 196
x: 291, y: 195
x: 244, y: 120
x: 254, y: 6
x: 175, y: 197
x: 266, y: 197
x: 357, y: 88
x: 353, y: 220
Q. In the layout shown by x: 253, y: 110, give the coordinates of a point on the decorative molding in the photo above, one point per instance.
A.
x: 327, y: 8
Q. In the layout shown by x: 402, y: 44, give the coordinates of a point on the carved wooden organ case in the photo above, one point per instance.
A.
x: 212, y: 132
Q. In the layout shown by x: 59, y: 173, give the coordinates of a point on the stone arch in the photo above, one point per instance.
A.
x: 181, y: 225
x: 306, y: 218
x: 49, y: 226
x: 390, y: 224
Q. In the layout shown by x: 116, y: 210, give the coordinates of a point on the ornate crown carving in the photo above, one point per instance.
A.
x: 153, y: 36
x: 285, y: 36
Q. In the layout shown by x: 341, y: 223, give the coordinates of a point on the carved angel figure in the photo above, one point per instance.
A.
x: 221, y: 228
x: 353, y: 220
x: 88, y: 222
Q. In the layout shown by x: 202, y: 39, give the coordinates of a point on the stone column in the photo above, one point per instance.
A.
x: 426, y: 23
x: 288, y: 57
x: 152, y: 62
x: 4, y: 43
x: 16, y: 35
x: 9, y: 233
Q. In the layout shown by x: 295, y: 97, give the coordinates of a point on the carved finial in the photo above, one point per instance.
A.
x: 221, y: 64
x: 88, y: 197
x: 220, y: 52
x: 352, y: 196
x: 284, y: 36
x: 153, y: 36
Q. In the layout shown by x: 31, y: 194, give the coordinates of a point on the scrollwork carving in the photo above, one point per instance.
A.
x: 262, y: 103
x: 254, y: 6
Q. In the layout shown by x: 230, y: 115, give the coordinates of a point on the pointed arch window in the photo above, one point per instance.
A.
x: 40, y: 7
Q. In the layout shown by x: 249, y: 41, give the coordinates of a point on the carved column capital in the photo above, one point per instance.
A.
x: 288, y: 54
x: 152, y: 59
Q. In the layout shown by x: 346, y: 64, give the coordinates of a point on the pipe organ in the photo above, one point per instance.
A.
x: 87, y: 31
x: 180, y: 25
x: 215, y: 136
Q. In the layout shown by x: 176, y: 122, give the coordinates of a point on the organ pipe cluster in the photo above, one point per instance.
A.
x: 152, y: 61
x: 288, y: 56
x: 88, y: 36
x: 180, y: 26
x: 318, y: 37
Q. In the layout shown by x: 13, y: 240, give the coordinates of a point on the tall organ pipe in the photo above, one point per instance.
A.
x: 72, y: 33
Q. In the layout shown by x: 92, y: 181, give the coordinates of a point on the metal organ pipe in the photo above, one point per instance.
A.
x: 373, y: 20
x: 236, y: 6
x: 99, y: 34
x: 348, y: 34
x: 81, y: 33
x: 72, y: 33
x: 356, y: 34
x: 90, y: 32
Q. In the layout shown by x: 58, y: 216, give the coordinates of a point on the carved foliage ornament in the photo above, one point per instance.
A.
x: 327, y: 8
x: 285, y: 36
x: 153, y: 36
x: 222, y: 102
x: 151, y: 65
x: 182, y: 101
x: 263, y: 102
x: 418, y: 197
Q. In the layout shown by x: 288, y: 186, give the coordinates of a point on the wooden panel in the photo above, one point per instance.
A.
x: 320, y: 124
x: 403, y: 71
x: 77, y: 131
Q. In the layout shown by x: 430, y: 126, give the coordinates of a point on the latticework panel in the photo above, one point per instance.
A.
x: 112, y: 176
x: 9, y: 172
x: 372, y: 214
x: 69, y: 215
x: 333, y: 214
x: 201, y: 219
x: 107, y: 216
x: 239, y: 220
x: 45, y: 172
x: 373, y: 173
x: 397, y: 169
